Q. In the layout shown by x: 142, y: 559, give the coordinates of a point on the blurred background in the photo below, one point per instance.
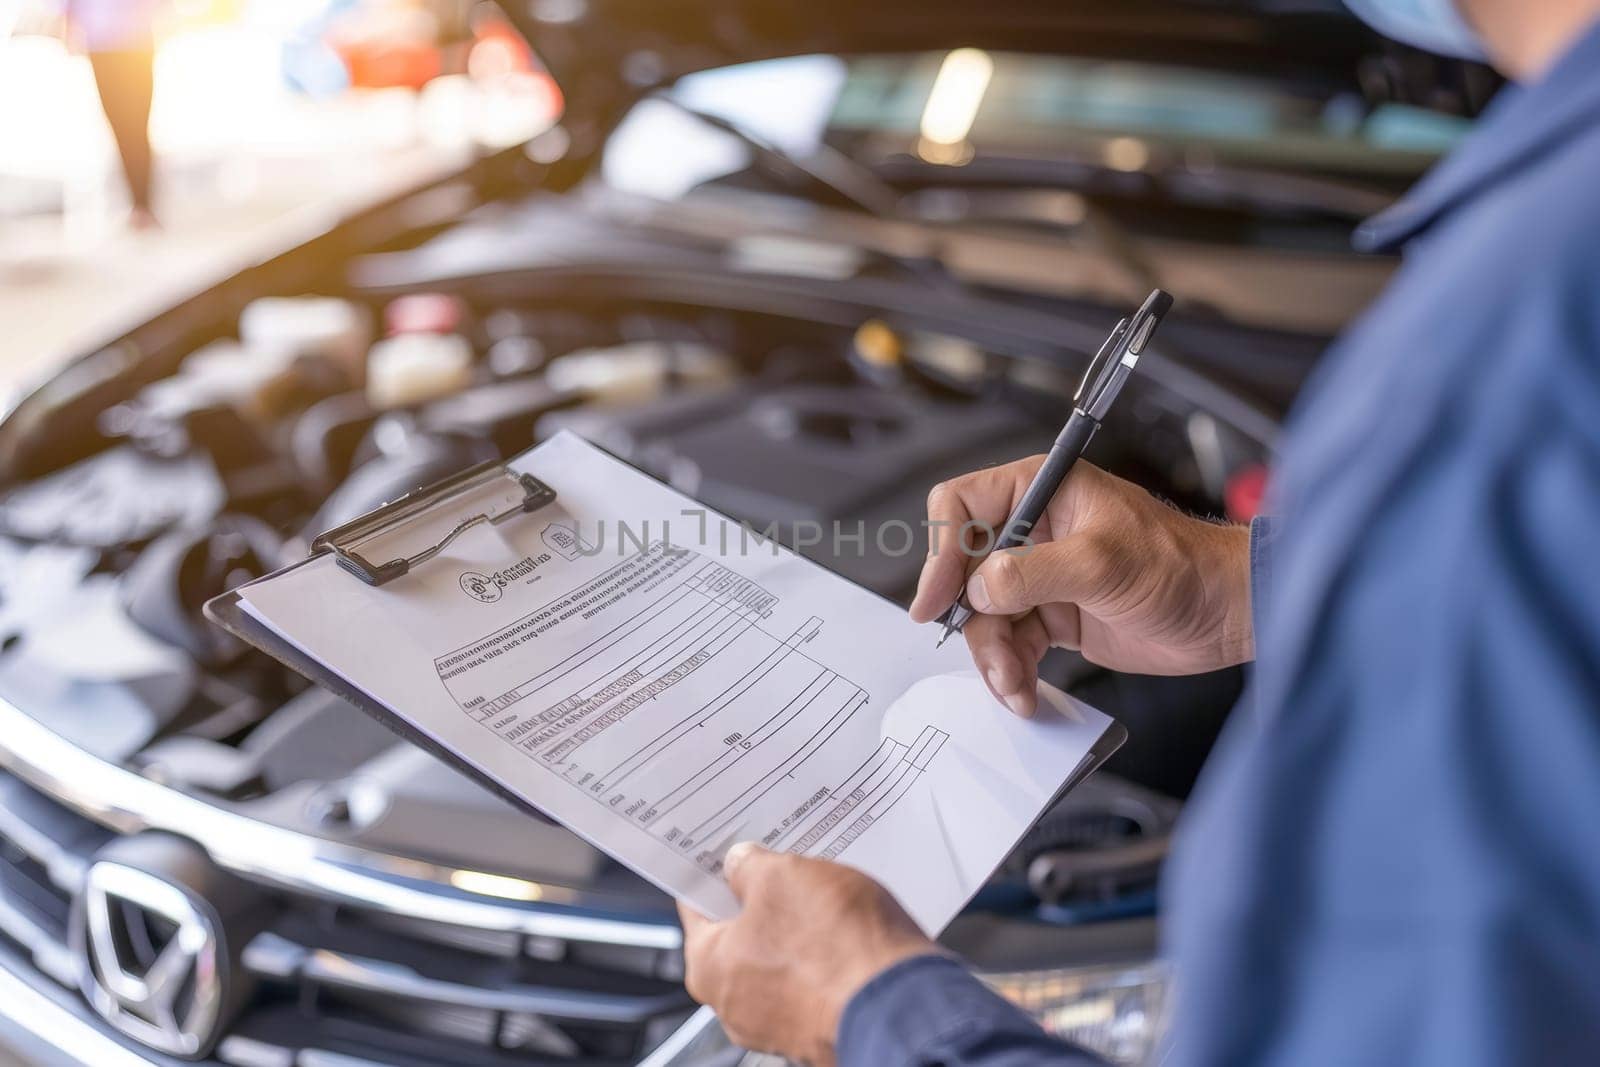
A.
x: 265, y: 118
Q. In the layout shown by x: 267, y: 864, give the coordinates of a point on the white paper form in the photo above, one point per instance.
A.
x: 665, y: 684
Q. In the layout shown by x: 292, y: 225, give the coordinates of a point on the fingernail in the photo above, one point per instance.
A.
x: 978, y: 593
x: 737, y: 855
x: 1014, y: 701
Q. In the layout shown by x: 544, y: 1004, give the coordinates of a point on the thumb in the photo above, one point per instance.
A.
x: 1072, y: 570
x: 741, y: 864
x: 694, y: 924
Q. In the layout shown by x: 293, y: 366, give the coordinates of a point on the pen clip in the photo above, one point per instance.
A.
x: 1101, y: 362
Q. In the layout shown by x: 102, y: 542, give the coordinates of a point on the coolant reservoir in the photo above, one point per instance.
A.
x: 636, y: 372
x: 309, y: 327
x: 416, y: 367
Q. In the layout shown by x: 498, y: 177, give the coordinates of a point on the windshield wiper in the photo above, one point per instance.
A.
x: 829, y: 167
x: 1038, y: 210
x: 1258, y: 187
x: 1281, y: 190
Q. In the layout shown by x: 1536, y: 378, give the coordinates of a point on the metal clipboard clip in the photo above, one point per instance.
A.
x: 488, y: 493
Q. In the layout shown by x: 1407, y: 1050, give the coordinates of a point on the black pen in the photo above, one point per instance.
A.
x: 1102, y: 381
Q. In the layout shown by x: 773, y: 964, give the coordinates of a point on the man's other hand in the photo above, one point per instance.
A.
x: 1130, y: 581
x: 811, y: 934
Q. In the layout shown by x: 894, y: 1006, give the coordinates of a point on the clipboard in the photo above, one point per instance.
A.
x: 489, y: 493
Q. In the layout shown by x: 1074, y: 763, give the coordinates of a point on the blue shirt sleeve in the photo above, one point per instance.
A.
x: 929, y: 1011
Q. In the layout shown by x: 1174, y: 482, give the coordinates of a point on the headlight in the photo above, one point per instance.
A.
x: 1118, y: 1012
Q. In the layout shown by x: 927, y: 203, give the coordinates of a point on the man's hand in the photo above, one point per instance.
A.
x: 1128, y: 580
x: 811, y: 934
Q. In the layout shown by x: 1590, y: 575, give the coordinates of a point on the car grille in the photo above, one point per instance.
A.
x: 336, y: 983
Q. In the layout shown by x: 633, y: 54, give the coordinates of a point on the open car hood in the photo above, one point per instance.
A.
x: 605, y: 53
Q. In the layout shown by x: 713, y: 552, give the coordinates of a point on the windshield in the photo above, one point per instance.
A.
x: 916, y: 114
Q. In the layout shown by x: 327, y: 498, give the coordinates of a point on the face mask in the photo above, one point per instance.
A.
x: 1432, y: 25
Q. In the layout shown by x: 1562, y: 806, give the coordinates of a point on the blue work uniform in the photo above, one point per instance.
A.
x: 1388, y: 859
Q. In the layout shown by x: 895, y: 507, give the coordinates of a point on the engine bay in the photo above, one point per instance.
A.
x: 307, y: 411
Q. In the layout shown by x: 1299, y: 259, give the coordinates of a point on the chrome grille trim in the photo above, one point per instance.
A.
x: 61, y: 864
x: 128, y: 803
x: 247, y: 1052
x: 274, y: 956
x: 700, y: 1028
x: 50, y: 955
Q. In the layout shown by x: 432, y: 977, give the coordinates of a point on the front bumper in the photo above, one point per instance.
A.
x: 42, y: 1025
x: 363, y: 960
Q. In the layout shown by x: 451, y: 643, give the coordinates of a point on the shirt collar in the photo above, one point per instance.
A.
x: 1522, y: 123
